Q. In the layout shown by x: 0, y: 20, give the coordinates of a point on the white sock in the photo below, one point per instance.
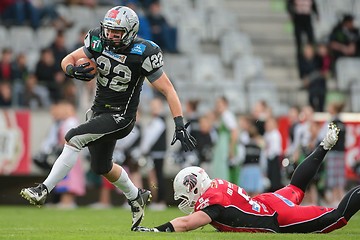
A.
x: 127, y: 186
x: 62, y: 166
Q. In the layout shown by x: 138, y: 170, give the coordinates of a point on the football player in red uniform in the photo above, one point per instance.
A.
x: 228, y: 208
x: 123, y: 61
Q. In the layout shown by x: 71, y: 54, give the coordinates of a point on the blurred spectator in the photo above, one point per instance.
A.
x: 5, y: 94
x: 191, y: 158
x: 6, y: 78
x: 335, y: 159
x: 163, y: 34
x: 48, y: 74
x: 80, y: 41
x: 5, y: 9
x: 70, y: 92
x: 191, y: 114
x: 313, y: 79
x: 294, y: 121
x: 273, y: 153
x: 252, y: 169
x: 36, y: 12
x: 205, y: 141
x: 153, y: 145
x: 144, y: 25
x: 300, y: 12
x: 17, y: 12
x: 6, y: 69
x: 325, y: 59
x: 32, y: 95
x: 302, y: 134
x: 260, y: 113
x: 245, y: 122
x: 344, y: 38
x: 224, y: 162
x: 20, y: 73
x: 59, y: 49
x: 20, y: 68
x: 293, y: 116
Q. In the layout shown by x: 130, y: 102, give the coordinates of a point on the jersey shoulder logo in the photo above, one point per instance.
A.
x: 96, y: 44
x: 138, y: 49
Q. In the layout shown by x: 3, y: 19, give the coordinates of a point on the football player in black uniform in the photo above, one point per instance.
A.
x: 123, y: 61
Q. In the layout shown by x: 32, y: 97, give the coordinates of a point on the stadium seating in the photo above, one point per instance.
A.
x: 247, y: 68
x: 355, y: 97
x: 347, y: 72
x: 22, y: 39
x: 178, y: 67
x: 4, y: 37
x: 44, y: 36
x: 234, y: 44
x: 207, y: 68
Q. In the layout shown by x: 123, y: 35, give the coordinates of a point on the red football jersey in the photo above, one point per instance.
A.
x: 268, y: 212
x: 241, y: 213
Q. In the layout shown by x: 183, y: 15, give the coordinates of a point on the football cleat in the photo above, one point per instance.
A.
x: 138, y: 207
x: 35, y: 195
x: 331, y: 136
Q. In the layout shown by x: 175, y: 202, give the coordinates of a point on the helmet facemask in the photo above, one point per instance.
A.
x: 122, y: 24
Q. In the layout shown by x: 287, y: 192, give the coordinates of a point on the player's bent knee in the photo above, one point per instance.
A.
x: 100, y: 170
x: 75, y: 140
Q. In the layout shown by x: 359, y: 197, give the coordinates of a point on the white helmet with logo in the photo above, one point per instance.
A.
x: 122, y: 19
x: 189, y: 184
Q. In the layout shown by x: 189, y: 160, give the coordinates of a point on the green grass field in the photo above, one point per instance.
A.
x: 28, y: 222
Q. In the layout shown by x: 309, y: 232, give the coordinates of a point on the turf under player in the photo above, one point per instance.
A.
x: 123, y: 61
x: 228, y: 208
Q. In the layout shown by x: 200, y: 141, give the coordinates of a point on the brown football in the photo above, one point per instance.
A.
x: 85, y: 60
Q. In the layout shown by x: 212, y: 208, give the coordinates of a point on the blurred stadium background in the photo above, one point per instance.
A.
x: 241, y: 49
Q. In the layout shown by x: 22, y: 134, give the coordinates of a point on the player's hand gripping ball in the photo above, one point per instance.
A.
x: 84, y: 69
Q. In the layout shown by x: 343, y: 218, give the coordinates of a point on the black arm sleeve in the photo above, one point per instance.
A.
x: 213, y: 211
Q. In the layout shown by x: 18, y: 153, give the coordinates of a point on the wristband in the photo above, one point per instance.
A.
x: 179, y: 122
x: 167, y: 227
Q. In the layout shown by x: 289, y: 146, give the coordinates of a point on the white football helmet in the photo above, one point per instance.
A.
x: 123, y: 23
x: 189, y: 184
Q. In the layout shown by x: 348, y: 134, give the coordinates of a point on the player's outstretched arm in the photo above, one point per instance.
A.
x: 180, y: 224
x: 164, y: 85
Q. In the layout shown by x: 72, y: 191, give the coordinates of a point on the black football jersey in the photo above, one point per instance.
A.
x: 120, y: 76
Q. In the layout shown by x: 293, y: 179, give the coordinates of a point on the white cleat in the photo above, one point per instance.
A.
x: 138, y: 207
x: 331, y: 137
x: 35, y: 195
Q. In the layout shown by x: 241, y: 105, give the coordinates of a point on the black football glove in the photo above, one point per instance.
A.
x: 187, y: 141
x: 144, y: 229
x: 81, y: 72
